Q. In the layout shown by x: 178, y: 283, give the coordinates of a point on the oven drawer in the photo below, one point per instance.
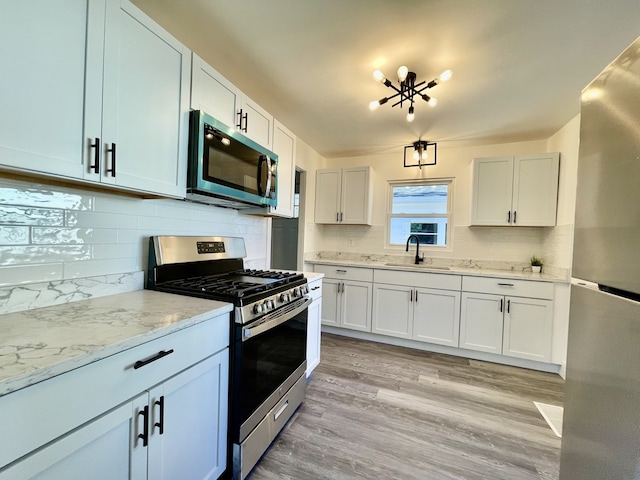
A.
x: 247, y: 454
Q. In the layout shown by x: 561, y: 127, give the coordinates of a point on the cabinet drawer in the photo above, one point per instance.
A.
x: 418, y: 279
x: 345, y: 273
x: 508, y: 286
x: 43, y: 412
x: 315, y: 289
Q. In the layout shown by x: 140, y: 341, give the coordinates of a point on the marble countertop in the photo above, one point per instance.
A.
x: 448, y: 270
x: 41, y: 343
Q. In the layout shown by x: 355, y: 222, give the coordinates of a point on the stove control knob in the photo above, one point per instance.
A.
x: 305, y: 289
x: 269, y: 305
x: 285, y: 298
x: 297, y: 292
x: 257, y: 308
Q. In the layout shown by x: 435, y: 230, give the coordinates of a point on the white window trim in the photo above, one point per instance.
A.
x: 439, y: 181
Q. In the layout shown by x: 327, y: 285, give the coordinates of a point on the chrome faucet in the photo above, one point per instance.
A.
x: 418, y: 258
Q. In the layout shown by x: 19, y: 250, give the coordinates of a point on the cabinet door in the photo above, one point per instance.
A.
x: 145, y: 103
x: 284, y: 145
x: 481, y: 321
x: 528, y: 326
x: 328, y: 193
x: 43, y: 51
x: 535, y: 190
x: 189, y: 422
x: 258, y: 123
x: 313, y: 335
x: 331, y: 302
x: 356, y: 306
x: 392, y: 310
x: 213, y: 93
x: 356, y: 196
x: 436, y: 316
x: 492, y: 191
x: 100, y: 450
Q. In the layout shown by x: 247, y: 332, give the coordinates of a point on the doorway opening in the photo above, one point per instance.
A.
x: 285, y: 233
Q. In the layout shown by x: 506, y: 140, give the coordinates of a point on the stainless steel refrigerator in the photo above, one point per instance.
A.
x: 601, y: 429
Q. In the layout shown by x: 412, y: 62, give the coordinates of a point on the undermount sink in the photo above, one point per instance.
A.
x: 413, y: 265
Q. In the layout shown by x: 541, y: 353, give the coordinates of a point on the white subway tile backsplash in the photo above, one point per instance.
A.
x: 104, y: 220
x: 108, y: 266
x: 14, y: 235
x: 52, y: 239
x: 17, y: 215
x: 43, y: 196
x: 19, y: 274
x: 67, y: 236
x: 30, y: 254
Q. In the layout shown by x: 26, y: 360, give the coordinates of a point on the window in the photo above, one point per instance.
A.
x: 421, y: 208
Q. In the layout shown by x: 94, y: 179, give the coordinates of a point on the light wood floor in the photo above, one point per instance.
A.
x: 375, y: 411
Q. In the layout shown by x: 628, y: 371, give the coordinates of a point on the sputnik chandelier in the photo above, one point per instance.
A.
x: 408, y: 89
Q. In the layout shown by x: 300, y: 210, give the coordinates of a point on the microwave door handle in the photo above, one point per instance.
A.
x: 264, y: 189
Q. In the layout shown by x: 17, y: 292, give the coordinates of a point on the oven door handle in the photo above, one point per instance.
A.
x: 278, y: 317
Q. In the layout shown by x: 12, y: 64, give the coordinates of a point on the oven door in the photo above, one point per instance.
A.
x: 269, y: 357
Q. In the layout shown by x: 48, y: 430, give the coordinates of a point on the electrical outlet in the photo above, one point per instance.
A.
x: 351, y: 242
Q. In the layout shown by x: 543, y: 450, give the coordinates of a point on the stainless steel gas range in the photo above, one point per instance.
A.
x: 268, y: 335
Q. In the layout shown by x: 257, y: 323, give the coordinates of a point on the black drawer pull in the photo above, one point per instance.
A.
x: 158, y: 356
x: 315, y: 288
x: 506, y: 284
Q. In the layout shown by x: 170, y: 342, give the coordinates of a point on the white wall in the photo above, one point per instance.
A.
x: 480, y: 243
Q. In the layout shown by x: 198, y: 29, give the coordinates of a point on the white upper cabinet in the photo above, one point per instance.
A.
x: 212, y: 93
x: 94, y: 72
x: 344, y: 196
x: 145, y: 104
x: 519, y: 190
x: 42, y: 52
x: 284, y: 145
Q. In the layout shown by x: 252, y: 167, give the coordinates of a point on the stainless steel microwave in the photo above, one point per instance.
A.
x: 228, y: 169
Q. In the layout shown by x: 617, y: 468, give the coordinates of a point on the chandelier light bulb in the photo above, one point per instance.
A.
x: 446, y: 75
x: 378, y: 76
x: 416, y: 154
x: 373, y: 105
x: 403, y: 71
x: 410, y: 116
x: 433, y: 102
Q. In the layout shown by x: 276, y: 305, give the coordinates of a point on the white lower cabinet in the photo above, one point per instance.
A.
x: 425, y: 314
x: 346, y: 296
x: 515, y: 325
x: 314, y: 320
x: 113, y: 419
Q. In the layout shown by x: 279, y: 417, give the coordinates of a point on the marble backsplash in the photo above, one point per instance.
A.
x: 17, y: 298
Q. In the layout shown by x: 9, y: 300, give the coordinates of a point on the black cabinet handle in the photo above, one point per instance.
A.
x: 514, y: 216
x: 160, y: 423
x: 416, y: 296
x: 501, y: 304
x: 315, y: 288
x: 96, y: 156
x: 509, y: 216
x: 112, y: 150
x: 158, y: 356
x: 145, y: 435
x: 505, y: 284
x: 508, y: 306
x: 341, y: 216
x: 240, y: 118
x: 411, y: 296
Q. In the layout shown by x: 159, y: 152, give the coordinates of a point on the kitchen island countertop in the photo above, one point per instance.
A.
x: 38, y: 344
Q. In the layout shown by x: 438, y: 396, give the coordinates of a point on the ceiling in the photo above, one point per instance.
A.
x: 518, y: 65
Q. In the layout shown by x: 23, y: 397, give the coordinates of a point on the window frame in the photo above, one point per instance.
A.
x: 449, y: 181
